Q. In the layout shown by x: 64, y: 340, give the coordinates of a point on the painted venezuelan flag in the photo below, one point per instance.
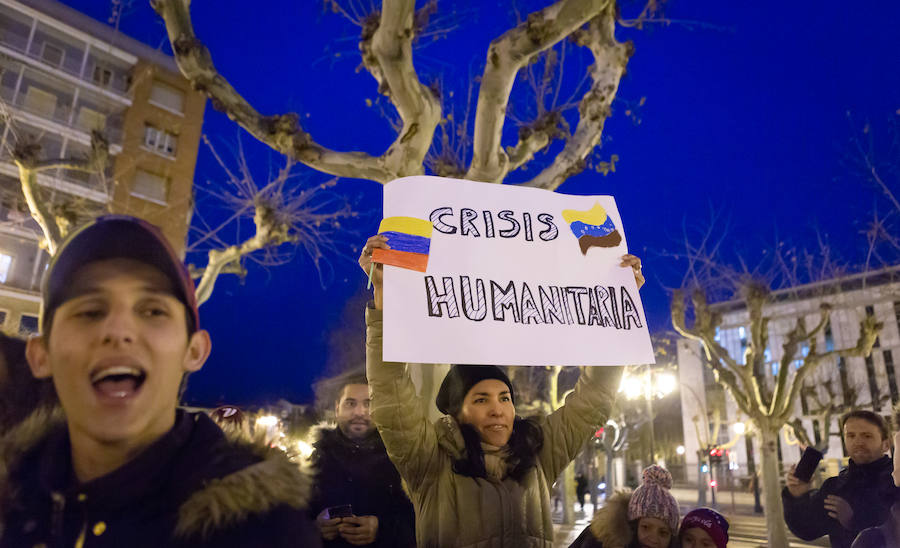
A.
x: 410, y: 241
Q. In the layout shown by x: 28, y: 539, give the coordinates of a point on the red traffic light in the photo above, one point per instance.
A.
x: 713, y: 483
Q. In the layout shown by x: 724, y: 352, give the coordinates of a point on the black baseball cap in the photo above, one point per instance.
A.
x: 115, y: 237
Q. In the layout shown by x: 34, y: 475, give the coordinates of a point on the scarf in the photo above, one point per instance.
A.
x: 495, y: 461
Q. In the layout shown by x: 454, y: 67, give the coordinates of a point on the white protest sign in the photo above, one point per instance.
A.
x: 515, y: 276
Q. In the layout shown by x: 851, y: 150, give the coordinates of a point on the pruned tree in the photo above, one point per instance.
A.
x: 825, y: 402
x: 282, y: 211
x: 769, y: 408
x: 386, y: 46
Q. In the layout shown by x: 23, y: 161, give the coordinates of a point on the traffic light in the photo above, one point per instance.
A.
x: 716, y: 454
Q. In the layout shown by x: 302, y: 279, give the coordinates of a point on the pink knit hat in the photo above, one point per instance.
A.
x: 652, y: 498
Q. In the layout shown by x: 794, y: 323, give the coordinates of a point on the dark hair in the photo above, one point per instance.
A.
x: 633, y: 525
x: 525, y: 443
x: 868, y: 416
x: 20, y: 393
x: 342, y: 382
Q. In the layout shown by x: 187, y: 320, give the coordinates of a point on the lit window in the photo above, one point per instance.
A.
x: 167, y: 97
x: 5, y: 264
x: 150, y: 187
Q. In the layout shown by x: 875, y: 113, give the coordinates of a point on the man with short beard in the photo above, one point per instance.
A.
x: 860, y: 497
x: 353, y: 468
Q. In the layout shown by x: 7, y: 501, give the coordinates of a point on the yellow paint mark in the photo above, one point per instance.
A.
x: 407, y: 225
x: 594, y: 216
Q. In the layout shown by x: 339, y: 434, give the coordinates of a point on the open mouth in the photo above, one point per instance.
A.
x: 118, y: 382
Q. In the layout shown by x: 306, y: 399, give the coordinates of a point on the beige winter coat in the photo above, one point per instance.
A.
x: 459, y: 511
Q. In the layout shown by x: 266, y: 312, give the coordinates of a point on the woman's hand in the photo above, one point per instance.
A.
x: 635, y: 263
x: 365, y: 262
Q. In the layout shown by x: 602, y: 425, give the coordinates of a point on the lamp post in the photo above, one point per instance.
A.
x: 650, y: 385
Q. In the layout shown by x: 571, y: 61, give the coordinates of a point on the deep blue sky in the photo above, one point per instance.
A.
x: 745, y: 113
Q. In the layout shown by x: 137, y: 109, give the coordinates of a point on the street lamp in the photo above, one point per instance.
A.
x: 648, y: 384
x: 680, y: 450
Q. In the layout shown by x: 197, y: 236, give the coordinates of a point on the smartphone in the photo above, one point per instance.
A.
x: 808, y: 464
x: 342, y: 511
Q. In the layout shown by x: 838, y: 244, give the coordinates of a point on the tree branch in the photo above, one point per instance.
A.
x: 868, y: 332
x: 269, y: 232
x: 25, y: 156
x: 388, y: 57
x: 507, y: 54
x: 610, y: 59
x: 281, y: 132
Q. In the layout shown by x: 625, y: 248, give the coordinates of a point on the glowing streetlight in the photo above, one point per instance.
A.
x: 680, y: 449
x: 267, y: 421
x: 739, y: 428
x: 648, y: 385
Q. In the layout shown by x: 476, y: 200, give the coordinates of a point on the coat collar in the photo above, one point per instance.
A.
x: 216, y: 481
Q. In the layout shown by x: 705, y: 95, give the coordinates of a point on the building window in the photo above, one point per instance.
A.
x: 5, y: 264
x: 40, y: 101
x: 160, y: 141
x: 845, y: 385
x: 102, y: 76
x: 28, y: 325
x: 897, y: 313
x: 150, y: 187
x: 891, y: 375
x: 52, y: 54
x: 742, y: 333
x: 817, y: 432
x: 829, y: 336
x: 167, y: 97
x: 873, y: 383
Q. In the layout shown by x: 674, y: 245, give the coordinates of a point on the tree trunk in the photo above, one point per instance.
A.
x: 772, y: 488
x: 568, y: 494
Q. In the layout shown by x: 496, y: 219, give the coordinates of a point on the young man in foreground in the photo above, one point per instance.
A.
x: 124, y: 467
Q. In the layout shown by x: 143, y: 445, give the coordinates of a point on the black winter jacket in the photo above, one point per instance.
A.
x: 361, y: 474
x: 868, y: 488
x: 192, y: 487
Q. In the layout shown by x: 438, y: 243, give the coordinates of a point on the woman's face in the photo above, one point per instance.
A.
x: 653, y: 533
x: 488, y: 407
x: 697, y: 538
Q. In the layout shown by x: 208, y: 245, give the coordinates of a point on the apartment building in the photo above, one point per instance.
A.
x: 867, y: 383
x: 62, y: 75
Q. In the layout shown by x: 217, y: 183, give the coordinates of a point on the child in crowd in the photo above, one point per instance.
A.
x: 703, y: 528
x: 644, y: 518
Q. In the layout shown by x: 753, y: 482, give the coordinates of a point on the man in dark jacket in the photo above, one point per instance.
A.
x: 122, y: 466
x: 860, y: 497
x: 353, y: 469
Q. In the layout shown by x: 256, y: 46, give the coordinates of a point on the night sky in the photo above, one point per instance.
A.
x: 745, y: 114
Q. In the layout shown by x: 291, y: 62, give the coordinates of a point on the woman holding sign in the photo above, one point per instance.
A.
x: 479, y: 476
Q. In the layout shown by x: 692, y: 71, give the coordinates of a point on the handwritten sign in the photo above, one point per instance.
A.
x: 515, y: 276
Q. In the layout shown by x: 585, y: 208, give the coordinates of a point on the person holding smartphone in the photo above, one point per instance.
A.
x: 358, y: 499
x: 859, y: 497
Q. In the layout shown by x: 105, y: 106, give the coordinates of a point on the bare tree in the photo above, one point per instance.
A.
x: 386, y: 47
x: 283, y: 210
x: 769, y: 408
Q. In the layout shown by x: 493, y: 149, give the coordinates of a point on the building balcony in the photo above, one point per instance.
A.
x: 76, y: 183
x: 74, y: 68
x: 59, y: 118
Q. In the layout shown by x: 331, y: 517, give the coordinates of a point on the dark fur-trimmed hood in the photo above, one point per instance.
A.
x: 256, y: 489
x: 255, y: 480
x: 610, y: 523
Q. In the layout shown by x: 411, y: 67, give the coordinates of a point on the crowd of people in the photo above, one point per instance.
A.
x: 97, y: 452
